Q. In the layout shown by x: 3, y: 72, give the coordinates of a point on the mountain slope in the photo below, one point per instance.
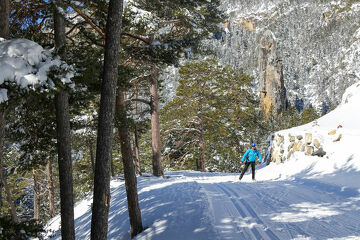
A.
x: 318, y: 42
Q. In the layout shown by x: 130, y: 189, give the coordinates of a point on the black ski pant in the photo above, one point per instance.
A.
x: 246, y: 168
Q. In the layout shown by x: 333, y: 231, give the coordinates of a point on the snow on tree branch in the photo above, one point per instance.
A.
x: 27, y: 64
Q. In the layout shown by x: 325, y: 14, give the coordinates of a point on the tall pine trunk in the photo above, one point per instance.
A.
x: 49, y: 173
x: 129, y: 168
x: 92, y: 158
x: 101, y: 199
x: 65, y: 165
x: 136, y: 154
x: 4, y: 18
x: 1, y: 188
x: 2, y: 170
x: 201, y: 162
x: 63, y: 136
x: 36, y: 196
x: 155, y: 123
x: 4, y: 33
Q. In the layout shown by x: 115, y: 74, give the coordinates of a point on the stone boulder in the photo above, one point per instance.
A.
x: 291, y: 138
x: 309, y: 150
x: 316, y: 143
x: 297, y: 146
x: 308, y: 138
x: 332, y: 132
x: 279, y: 139
x: 320, y: 152
x: 291, y: 145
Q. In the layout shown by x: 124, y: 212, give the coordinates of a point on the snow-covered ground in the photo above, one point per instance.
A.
x: 307, y: 197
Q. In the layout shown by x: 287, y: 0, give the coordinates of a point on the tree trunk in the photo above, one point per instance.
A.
x: 4, y: 19
x: 101, y: 199
x: 4, y: 33
x: 201, y: 161
x: 112, y: 168
x: 36, y: 197
x: 136, y: 153
x: 65, y: 165
x: 92, y: 159
x: 1, y: 188
x: 2, y: 170
x: 129, y: 169
x: 155, y: 124
x: 63, y: 136
x: 136, y: 143
x: 49, y: 173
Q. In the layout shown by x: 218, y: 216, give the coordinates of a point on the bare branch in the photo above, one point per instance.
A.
x: 147, y: 41
x: 88, y: 20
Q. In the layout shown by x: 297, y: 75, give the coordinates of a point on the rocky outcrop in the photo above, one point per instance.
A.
x: 318, y: 42
x: 307, y: 143
x: 271, y: 79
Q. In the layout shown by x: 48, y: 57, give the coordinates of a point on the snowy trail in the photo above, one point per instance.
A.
x: 190, y: 205
x: 298, y: 209
x: 304, y: 198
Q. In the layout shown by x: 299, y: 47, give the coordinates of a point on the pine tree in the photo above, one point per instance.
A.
x: 4, y: 33
x: 209, y: 118
x: 101, y: 200
x: 63, y: 133
x: 164, y: 33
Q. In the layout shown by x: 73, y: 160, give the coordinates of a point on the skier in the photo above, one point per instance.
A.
x: 249, y: 158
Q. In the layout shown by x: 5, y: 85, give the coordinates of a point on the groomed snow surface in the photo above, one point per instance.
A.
x: 307, y: 197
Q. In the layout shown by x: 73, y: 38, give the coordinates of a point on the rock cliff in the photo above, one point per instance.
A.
x: 271, y: 79
x: 318, y: 42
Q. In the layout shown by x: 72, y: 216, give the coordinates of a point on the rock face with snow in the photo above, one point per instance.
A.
x: 271, y: 79
x: 318, y: 42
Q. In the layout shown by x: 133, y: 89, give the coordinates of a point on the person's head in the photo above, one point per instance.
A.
x: 253, y: 146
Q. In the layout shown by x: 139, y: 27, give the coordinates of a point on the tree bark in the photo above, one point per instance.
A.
x: 1, y: 188
x: 36, y: 197
x: 92, y: 159
x: 4, y: 19
x: 4, y: 33
x: 63, y: 136
x: 112, y: 168
x: 201, y: 162
x: 129, y: 169
x: 65, y: 165
x: 2, y: 170
x: 155, y: 124
x: 101, y: 199
x: 136, y: 143
x: 49, y: 173
x: 136, y: 153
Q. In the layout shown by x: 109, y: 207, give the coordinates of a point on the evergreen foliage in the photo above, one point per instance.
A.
x: 214, y: 102
x: 19, y: 231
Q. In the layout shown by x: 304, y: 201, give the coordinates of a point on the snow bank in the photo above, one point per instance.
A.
x: 338, y: 133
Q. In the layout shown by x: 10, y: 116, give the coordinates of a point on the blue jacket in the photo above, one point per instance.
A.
x: 251, y: 155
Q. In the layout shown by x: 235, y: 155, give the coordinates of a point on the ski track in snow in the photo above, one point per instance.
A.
x: 299, y: 209
x: 205, y: 206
